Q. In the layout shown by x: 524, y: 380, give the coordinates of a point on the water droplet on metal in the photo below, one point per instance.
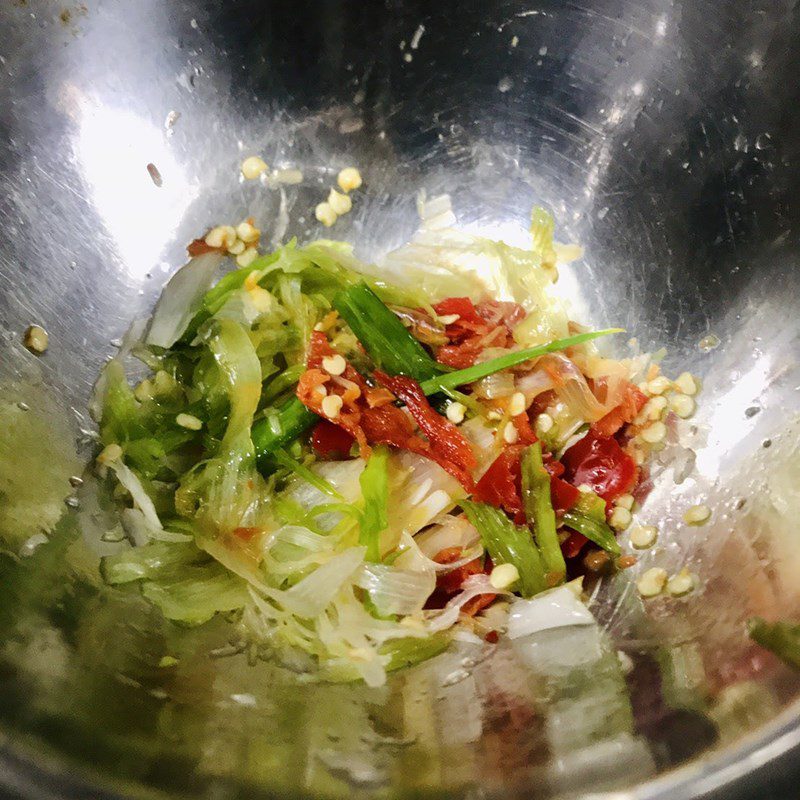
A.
x: 75, y: 481
x: 505, y: 84
x: 752, y: 411
x: 72, y: 502
x: 766, y: 443
x: 23, y: 406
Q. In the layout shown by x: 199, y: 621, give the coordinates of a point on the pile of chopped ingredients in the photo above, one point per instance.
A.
x: 358, y: 461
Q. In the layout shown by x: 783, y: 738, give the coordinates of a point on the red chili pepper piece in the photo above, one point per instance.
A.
x: 599, y: 462
x: 330, y: 442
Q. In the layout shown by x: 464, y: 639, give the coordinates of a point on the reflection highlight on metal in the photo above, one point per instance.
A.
x: 662, y: 136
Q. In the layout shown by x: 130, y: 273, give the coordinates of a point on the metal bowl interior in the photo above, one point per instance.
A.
x: 663, y: 136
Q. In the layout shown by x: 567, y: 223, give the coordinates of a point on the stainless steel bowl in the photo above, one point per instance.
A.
x: 664, y: 137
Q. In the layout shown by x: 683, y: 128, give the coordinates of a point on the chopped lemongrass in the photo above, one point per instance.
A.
x: 331, y: 406
x: 455, y: 412
x: 348, y: 179
x: 644, y: 536
x: 686, y: 383
x: 334, y: 365
x: 680, y: 584
x: 516, y: 405
x: 253, y: 167
x: 697, y: 515
x: 651, y: 583
x: 682, y: 404
x: 189, y: 421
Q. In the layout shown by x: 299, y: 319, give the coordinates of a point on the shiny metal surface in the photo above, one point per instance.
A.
x: 665, y: 137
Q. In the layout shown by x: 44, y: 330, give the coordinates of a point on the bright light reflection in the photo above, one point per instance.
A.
x: 728, y: 426
x: 567, y: 288
x: 114, y: 147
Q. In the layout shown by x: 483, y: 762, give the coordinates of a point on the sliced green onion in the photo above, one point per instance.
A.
x: 539, y: 509
x: 594, y: 530
x: 382, y: 334
x: 374, y: 482
x: 275, y: 431
x: 301, y: 470
x: 508, y: 544
x: 478, y: 371
x: 781, y: 638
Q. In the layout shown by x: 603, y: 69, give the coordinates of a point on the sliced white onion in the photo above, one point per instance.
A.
x: 310, y: 597
x: 473, y: 586
x: 500, y: 384
x: 557, y: 608
x: 396, y: 591
x: 181, y: 299
x: 449, y: 532
x: 140, y: 497
x: 533, y: 383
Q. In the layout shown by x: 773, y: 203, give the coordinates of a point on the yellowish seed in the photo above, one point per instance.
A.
x: 261, y: 299
x: 516, y: 405
x: 221, y: 236
x: 247, y: 233
x: 620, y: 518
x: 340, y: 203
x: 321, y: 390
x: 503, y: 576
x: 246, y: 258
x: 288, y: 176
x: 652, y: 582
x: 584, y: 488
x: 644, y: 536
x: 36, y: 339
x: 544, y: 423
x: 682, y: 404
x: 325, y: 214
x: 510, y: 434
x: 253, y: 167
x: 449, y: 319
x: 334, y: 365
x: 659, y: 385
x: 143, y: 391
x: 109, y: 454
x: 655, y: 407
x: 686, y: 383
x: 189, y: 421
x: 697, y: 515
x: 655, y: 433
x: 349, y: 178
x: 624, y: 501
x: 237, y: 248
x: 680, y: 584
x: 331, y: 406
x: 455, y: 412
x: 494, y: 415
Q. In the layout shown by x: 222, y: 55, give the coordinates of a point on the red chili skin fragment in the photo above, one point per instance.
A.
x: 330, y: 442
x: 632, y: 403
